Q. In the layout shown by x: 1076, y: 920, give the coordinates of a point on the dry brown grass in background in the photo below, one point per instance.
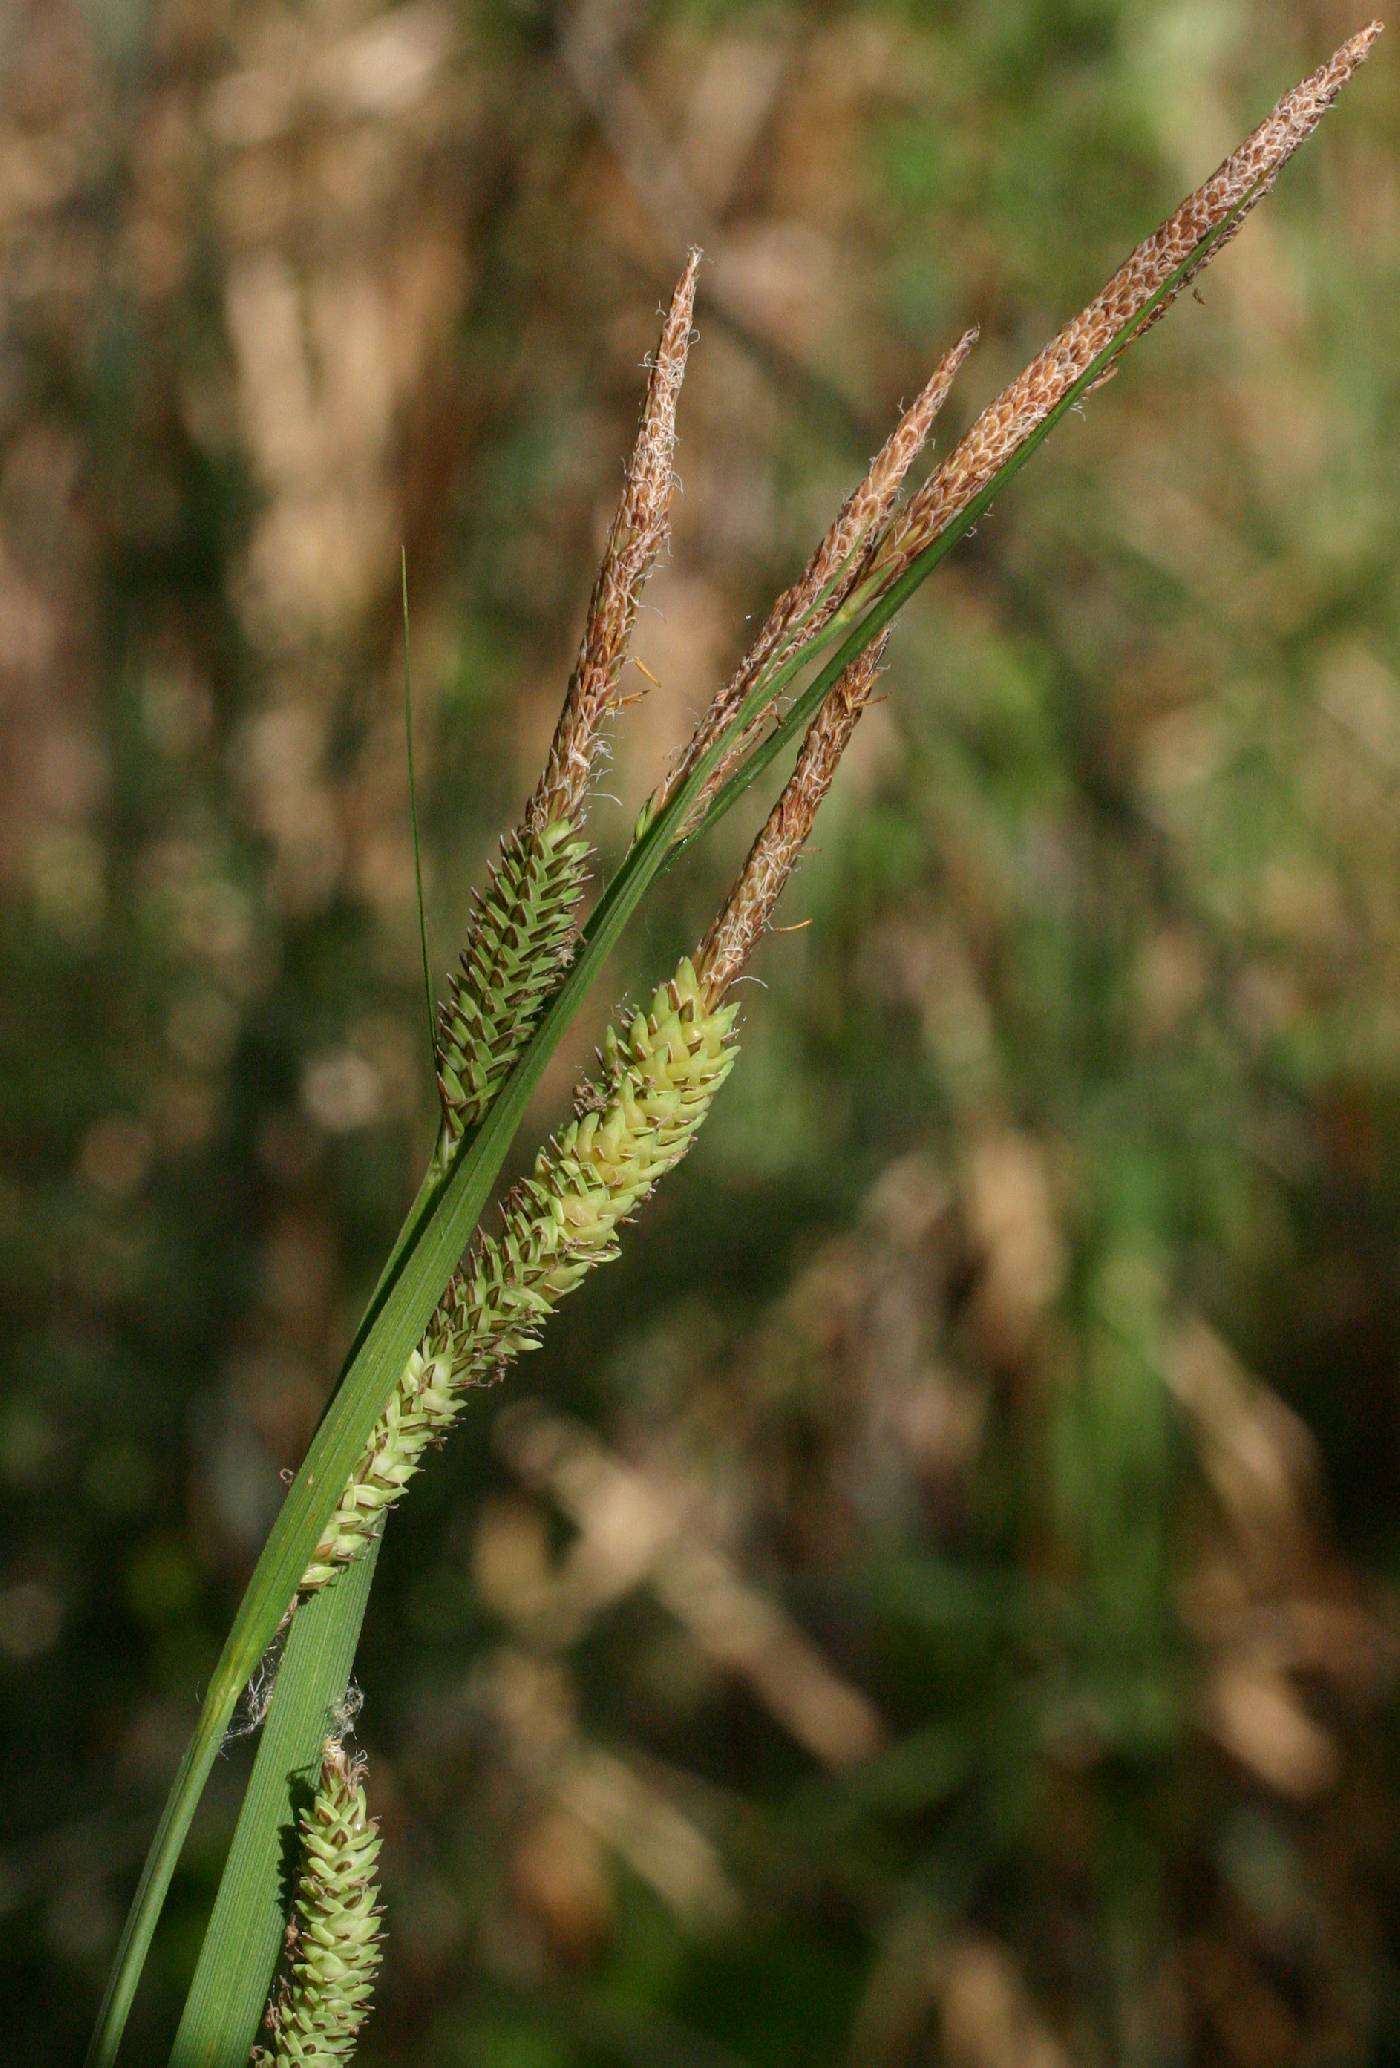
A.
x: 329, y: 208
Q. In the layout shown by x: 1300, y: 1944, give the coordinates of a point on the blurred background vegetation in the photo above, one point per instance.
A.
x: 934, y: 1600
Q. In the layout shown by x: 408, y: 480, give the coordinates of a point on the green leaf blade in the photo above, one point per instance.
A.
x: 244, y: 1933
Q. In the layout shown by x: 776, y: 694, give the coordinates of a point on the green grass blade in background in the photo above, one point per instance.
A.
x: 245, y: 1927
x: 413, y: 822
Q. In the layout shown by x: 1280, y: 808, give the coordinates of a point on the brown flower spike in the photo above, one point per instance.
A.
x: 749, y: 907
x: 659, y: 1078
x: 524, y: 922
x: 638, y: 533
x: 833, y: 571
x: 1240, y: 184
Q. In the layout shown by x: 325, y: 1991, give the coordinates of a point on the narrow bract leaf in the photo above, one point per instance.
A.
x: 245, y: 1928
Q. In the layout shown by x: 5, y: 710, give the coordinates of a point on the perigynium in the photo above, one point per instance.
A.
x: 333, y: 1938
x: 636, y: 1120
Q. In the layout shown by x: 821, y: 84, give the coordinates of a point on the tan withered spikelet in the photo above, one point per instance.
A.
x: 523, y: 925
x: 833, y: 571
x: 638, y: 533
x: 736, y: 932
x: 1240, y: 183
x: 316, y: 2014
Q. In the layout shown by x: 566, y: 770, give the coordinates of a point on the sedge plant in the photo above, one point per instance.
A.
x: 459, y: 1300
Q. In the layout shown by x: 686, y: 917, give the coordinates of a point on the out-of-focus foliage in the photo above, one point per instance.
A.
x: 935, y: 1602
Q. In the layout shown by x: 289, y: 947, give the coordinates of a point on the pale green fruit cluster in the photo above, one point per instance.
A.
x: 658, y: 1077
x: 336, y: 1937
x: 520, y: 936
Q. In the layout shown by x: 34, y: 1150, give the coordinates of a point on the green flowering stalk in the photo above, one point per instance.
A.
x: 524, y: 924
x: 632, y: 1124
x: 334, y: 1938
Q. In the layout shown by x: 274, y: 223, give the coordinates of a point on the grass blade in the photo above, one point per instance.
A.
x: 244, y: 1933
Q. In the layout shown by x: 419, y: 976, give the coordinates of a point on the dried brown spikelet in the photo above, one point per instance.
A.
x: 1239, y: 184
x: 735, y: 933
x: 523, y: 926
x: 832, y: 572
x: 638, y: 533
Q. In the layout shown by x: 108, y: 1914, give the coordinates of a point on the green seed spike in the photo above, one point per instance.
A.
x: 520, y: 938
x: 334, y: 1936
x: 637, y: 1121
